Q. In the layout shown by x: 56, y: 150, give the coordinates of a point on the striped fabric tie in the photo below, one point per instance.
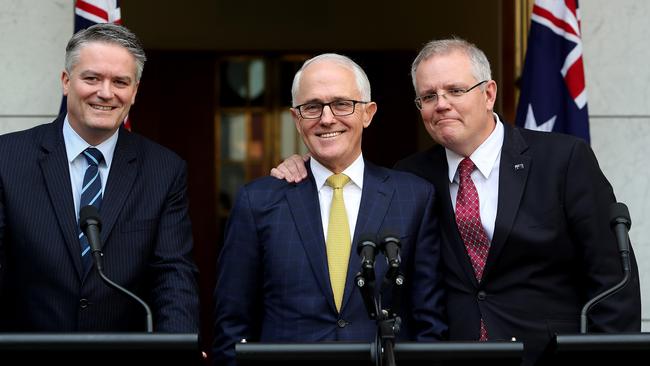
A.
x: 91, y: 194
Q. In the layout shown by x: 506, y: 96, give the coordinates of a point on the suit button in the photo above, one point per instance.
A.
x: 83, y: 303
x: 481, y: 295
x: 341, y: 323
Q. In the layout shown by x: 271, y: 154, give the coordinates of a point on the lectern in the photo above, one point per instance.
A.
x: 115, y: 349
x: 359, y: 354
x: 598, y: 349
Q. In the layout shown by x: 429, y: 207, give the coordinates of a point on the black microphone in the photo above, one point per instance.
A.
x: 91, y: 225
x: 390, y: 246
x: 619, y: 221
x: 367, y: 250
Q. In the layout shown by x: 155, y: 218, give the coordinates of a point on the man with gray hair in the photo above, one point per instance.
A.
x: 524, y: 214
x: 86, y: 157
x: 286, y: 271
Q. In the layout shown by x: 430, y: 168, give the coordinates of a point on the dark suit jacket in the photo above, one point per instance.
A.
x: 273, y: 282
x: 146, y: 234
x: 552, y: 248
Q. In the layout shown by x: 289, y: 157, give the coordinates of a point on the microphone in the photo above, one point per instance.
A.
x: 91, y: 225
x: 390, y: 246
x: 367, y: 250
x: 619, y: 221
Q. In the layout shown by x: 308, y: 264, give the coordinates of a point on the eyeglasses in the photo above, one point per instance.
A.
x: 431, y: 99
x: 338, y: 107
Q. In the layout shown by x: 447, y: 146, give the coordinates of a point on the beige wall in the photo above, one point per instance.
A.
x: 616, y: 52
x: 33, y: 37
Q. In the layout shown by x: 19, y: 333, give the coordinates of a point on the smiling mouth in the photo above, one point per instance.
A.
x: 102, y: 107
x: 328, y: 135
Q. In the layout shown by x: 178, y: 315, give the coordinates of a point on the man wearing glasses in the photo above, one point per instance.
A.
x: 523, y: 214
x: 286, y: 271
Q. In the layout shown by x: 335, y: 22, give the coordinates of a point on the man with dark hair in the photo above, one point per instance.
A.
x: 48, y: 173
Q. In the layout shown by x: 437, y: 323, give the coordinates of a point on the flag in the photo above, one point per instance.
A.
x: 553, y: 95
x: 90, y: 12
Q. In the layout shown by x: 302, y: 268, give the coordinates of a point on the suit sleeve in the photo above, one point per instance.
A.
x: 238, y: 286
x: 174, y: 293
x: 588, y: 198
x: 427, y: 295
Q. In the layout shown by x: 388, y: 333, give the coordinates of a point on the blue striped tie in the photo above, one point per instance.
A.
x: 91, y: 194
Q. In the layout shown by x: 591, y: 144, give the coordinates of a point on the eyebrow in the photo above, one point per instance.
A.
x: 318, y: 100
x: 95, y: 73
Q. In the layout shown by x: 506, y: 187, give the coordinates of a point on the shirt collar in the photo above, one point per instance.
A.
x: 354, y: 171
x: 75, y: 144
x: 483, y: 157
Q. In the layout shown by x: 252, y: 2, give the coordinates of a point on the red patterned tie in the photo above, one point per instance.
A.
x: 468, y: 219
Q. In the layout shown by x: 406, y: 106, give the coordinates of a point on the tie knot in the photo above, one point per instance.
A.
x: 337, y: 181
x: 93, y: 156
x: 466, y: 168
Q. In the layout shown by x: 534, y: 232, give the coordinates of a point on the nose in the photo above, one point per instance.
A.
x: 105, y: 90
x: 442, y: 103
x: 327, y: 116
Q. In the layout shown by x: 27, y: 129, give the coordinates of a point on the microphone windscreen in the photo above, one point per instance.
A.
x: 618, y: 213
x: 89, y: 213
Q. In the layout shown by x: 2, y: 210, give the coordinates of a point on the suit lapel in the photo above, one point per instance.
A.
x: 513, y: 173
x: 120, y: 180
x: 376, y: 196
x: 56, y: 173
x: 440, y: 179
x: 305, y: 209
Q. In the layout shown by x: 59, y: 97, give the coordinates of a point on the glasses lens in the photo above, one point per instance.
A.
x: 342, y: 107
x: 312, y: 110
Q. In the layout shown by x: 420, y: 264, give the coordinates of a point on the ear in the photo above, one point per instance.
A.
x: 491, y: 94
x: 65, y: 82
x: 296, y: 119
x: 135, y: 91
x: 369, y: 112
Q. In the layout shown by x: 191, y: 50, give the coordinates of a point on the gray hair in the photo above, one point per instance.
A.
x: 360, y: 76
x: 105, y: 33
x: 480, y: 64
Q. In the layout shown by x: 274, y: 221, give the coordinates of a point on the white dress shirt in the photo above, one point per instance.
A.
x: 485, y: 177
x: 351, y: 192
x: 74, y: 147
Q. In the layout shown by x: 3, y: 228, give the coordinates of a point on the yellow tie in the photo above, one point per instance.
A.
x: 338, y: 238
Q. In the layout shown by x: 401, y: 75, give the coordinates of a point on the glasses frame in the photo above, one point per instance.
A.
x: 418, y: 100
x: 323, y: 105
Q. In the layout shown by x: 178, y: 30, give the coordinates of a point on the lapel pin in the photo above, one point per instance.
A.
x: 519, y: 166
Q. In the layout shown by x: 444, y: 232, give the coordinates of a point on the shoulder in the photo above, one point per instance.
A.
x: 28, y: 136
x: 420, y: 160
x: 148, y: 150
x: 550, y: 145
x: 401, y: 180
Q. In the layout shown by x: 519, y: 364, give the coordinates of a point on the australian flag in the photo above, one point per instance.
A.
x: 553, y: 95
x: 90, y: 12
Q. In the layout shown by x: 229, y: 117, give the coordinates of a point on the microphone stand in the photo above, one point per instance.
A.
x: 389, y: 323
x: 387, y: 320
x: 115, y: 286
x: 620, y: 223
x: 625, y: 262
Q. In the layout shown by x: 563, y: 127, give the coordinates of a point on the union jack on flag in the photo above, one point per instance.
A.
x: 90, y: 12
x: 553, y: 95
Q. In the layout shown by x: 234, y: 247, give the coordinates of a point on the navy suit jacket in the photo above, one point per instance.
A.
x: 146, y: 238
x: 552, y: 248
x: 273, y: 281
